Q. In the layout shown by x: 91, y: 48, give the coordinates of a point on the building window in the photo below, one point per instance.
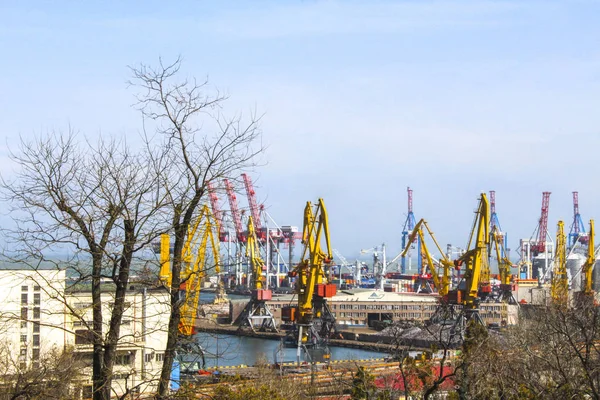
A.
x: 160, y: 356
x: 84, y: 336
x: 23, y: 312
x: 23, y: 298
x: 23, y: 352
x: 148, y: 357
x: 23, y: 324
x: 23, y: 338
x: 24, y: 288
x: 36, y: 288
x: 36, y: 327
x: 123, y: 359
x: 35, y: 355
x: 37, y: 299
x: 36, y: 313
x: 126, y: 322
x: 36, y: 340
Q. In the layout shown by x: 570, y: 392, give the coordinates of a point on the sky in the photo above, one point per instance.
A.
x: 361, y: 99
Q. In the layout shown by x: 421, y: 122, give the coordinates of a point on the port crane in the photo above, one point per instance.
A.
x: 588, y: 266
x: 379, y: 265
x: 472, y: 260
x: 199, y: 236
x: 409, y: 226
x: 315, y: 322
x: 240, y: 235
x: 504, y: 265
x: 559, y: 289
x: 256, y: 314
x: 539, y: 246
x: 442, y: 286
x: 261, y: 233
x: 577, y: 232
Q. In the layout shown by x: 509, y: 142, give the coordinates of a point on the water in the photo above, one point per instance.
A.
x: 227, y: 350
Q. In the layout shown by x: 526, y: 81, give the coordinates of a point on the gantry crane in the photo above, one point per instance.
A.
x: 409, y: 226
x: 577, y: 232
x: 442, y: 286
x: 256, y: 314
x: 199, y: 236
x: 315, y: 323
x: 559, y: 289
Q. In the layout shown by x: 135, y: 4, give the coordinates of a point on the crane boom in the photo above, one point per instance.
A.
x: 443, y: 285
x: 216, y: 211
x: 559, y: 289
x: 253, y: 254
x: 540, y: 244
x: 474, y: 258
x: 194, y: 261
x: 312, y: 287
x: 235, y: 212
x: 254, y: 210
x: 588, y: 266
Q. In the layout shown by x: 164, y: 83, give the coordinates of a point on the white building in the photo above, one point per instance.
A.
x: 39, y: 313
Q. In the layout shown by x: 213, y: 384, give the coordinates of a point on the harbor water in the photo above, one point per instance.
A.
x: 228, y: 350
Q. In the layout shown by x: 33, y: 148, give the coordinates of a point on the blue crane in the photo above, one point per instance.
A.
x: 409, y: 225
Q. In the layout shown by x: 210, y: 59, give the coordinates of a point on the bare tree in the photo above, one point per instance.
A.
x: 96, y: 201
x: 200, y: 144
x: 52, y: 378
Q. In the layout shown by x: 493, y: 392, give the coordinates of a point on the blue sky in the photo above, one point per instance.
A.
x: 361, y: 99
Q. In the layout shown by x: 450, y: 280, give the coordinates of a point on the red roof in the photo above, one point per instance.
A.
x: 396, y: 381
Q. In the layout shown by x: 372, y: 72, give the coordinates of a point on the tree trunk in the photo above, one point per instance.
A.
x: 97, y: 360
x: 114, y: 330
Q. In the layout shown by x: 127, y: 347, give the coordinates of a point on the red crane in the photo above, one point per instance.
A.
x: 540, y: 244
x: 235, y: 212
x: 217, y: 213
x: 254, y: 209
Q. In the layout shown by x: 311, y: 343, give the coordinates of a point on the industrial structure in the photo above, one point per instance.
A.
x: 257, y: 315
x: 409, y: 226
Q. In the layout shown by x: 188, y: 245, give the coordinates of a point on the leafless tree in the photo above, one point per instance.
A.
x: 96, y: 201
x: 200, y: 144
x: 51, y: 378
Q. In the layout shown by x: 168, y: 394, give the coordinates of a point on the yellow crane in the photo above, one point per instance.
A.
x: 559, y: 289
x: 588, y: 266
x: 256, y: 314
x: 195, y: 265
x: 315, y: 320
x: 504, y: 266
x: 442, y: 286
x: 474, y: 260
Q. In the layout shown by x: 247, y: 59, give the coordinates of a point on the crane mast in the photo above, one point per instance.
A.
x: 235, y: 212
x: 504, y: 265
x: 254, y: 209
x: 559, y: 288
x: 256, y: 314
x: 577, y: 232
x: 315, y: 322
x: 588, y: 266
x: 474, y: 260
x: 194, y: 259
x: 409, y: 226
x: 540, y: 244
x: 217, y: 213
